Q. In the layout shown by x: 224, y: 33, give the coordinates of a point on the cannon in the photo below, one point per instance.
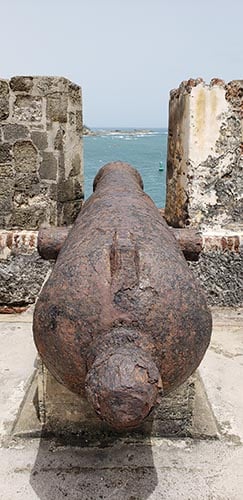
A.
x: 121, y: 319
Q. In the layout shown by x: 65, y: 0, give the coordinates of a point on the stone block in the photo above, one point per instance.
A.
x: 6, y: 203
x: 61, y: 166
x: 27, y: 184
x: 5, y: 152
x: 25, y: 157
x: 5, y: 220
x: 58, y: 141
x: 33, y: 216
x: 47, y: 85
x: 79, y: 122
x: 7, y: 181
x: 4, y: 108
x: 27, y: 109
x: 78, y: 190
x: 14, y: 131
x: 39, y: 139
x: 4, y: 88
x: 48, y: 166
x: 21, y: 83
x: 7, y: 173
x: 75, y: 93
x: 69, y: 189
x: 52, y: 189
x: 56, y: 109
x: 76, y: 166
x: 65, y: 190
x: 4, y: 100
x: 71, y: 118
x: 68, y: 212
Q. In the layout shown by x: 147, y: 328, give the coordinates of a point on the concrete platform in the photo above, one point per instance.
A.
x: 154, y: 468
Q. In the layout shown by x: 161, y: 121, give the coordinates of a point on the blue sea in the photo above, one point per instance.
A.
x: 145, y: 150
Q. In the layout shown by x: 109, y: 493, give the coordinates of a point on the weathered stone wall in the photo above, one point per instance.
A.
x: 220, y: 268
x: 41, y: 173
x: 41, y: 178
x: 22, y: 270
x: 205, y: 181
x: 220, y: 275
x: 205, y: 145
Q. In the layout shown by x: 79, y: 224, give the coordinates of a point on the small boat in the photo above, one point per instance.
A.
x: 161, y: 167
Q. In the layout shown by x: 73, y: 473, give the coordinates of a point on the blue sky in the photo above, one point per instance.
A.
x: 126, y: 54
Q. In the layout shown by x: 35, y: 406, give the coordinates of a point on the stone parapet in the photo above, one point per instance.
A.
x: 218, y: 266
x: 205, y: 146
x: 41, y: 170
x: 41, y: 175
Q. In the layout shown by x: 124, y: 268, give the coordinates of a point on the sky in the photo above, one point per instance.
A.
x: 125, y: 54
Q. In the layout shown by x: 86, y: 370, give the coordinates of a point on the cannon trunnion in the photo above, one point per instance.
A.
x: 121, y: 318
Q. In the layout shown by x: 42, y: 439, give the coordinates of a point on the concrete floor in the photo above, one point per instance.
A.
x: 155, y: 469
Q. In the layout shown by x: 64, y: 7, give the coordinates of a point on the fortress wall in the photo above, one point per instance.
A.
x: 41, y: 178
x: 205, y: 146
x: 41, y: 170
x: 220, y: 269
x: 205, y: 179
x: 40, y: 152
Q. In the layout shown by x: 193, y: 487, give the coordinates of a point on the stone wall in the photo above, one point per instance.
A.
x: 41, y: 174
x: 220, y: 267
x: 41, y: 178
x: 205, y: 145
x: 205, y: 181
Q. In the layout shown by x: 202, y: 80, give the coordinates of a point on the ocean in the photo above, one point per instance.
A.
x: 145, y: 150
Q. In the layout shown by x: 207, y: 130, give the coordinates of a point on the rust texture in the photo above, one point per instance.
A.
x: 190, y: 242
x: 50, y: 241
x: 121, y: 317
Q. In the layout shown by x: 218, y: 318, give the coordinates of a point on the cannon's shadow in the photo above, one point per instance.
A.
x: 87, y: 460
x: 111, y: 470
x: 80, y: 457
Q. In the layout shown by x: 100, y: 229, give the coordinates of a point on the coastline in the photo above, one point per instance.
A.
x: 120, y: 131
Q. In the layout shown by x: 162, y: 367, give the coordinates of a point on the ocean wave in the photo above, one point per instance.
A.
x: 131, y: 136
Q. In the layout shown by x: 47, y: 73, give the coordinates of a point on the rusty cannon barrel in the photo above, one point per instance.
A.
x: 121, y: 318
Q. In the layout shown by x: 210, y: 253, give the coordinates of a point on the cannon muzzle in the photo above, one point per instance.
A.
x: 121, y: 318
x: 123, y: 386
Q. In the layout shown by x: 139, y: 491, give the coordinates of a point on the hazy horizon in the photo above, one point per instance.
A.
x: 125, y: 54
x: 115, y: 127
